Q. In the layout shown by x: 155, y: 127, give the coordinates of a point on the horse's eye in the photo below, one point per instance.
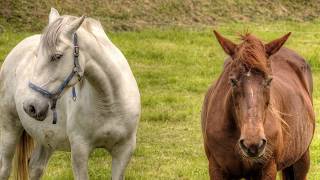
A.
x: 233, y: 81
x: 56, y: 57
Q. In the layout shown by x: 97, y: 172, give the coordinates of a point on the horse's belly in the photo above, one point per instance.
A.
x: 109, y: 130
x: 296, y: 144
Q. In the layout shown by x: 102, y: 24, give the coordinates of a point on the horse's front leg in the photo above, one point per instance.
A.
x: 80, y: 152
x: 299, y: 169
x: 10, y: 133
x: 215, y: 172
x: 39, y: 161
x: 121, y: 155
x: 267, y: 173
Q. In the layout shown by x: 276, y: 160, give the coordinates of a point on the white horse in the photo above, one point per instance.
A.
x: 105, y: 114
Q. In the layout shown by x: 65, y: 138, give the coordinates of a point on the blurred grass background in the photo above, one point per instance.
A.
x: 174, y: 57
x: 31, y: 15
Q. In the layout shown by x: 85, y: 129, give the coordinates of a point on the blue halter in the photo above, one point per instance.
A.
x: 54, y: 96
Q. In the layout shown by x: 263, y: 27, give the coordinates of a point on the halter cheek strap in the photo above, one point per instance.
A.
x: 54, y: 96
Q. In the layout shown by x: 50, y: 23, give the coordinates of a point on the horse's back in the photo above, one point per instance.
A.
x: 14, y: 67
x: 18, y: 53
x: 287, y: 65
x: 17, y: 56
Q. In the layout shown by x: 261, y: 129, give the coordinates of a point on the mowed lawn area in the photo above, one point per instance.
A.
x: 174, y: 67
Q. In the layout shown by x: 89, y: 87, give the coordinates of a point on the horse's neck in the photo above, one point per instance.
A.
x: 108, y: 72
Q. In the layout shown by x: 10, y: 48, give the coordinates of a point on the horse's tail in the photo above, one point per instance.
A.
x: 23, y: 152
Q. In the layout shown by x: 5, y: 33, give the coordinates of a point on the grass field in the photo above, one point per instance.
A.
x: 174, y: 67
x: 139, y: 14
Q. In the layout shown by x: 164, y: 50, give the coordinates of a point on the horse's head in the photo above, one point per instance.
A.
x: 250, y: 77
x: 55, y: 62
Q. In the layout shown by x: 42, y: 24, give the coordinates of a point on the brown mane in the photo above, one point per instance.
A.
x: 251, y: 53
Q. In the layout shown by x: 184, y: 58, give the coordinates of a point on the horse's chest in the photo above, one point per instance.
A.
x: 49, y: 135
x: 101, y: 132
x: 226, y: 154
x: 233, y: 164
x: 55, y: 139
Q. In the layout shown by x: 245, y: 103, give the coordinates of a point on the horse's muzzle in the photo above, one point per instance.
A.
x: 253, y: 150
x: 36, y: 111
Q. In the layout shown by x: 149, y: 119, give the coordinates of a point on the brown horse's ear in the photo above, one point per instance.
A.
x: 228, y: 46
x: 273, y: 46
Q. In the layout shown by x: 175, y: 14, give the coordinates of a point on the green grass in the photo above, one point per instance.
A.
x: 138, y: 14
x: 174, y: 67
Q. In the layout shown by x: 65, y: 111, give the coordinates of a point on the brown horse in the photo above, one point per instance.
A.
x: 258, y: 118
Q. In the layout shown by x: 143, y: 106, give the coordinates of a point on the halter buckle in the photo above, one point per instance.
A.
x: 76, y: 69
x: 76, y: 51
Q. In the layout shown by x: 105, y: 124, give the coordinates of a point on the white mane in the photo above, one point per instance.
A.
x: 50, y: 35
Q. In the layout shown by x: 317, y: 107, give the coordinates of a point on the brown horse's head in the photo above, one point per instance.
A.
x: 250, y: 77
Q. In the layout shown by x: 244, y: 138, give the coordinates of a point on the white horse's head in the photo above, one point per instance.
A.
x: 54, y: 63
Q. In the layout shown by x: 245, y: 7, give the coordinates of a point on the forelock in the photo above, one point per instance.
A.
x: 52, y: 32
x: 251, y: 53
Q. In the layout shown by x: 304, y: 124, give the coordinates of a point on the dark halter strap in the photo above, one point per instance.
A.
x: 54, y: 96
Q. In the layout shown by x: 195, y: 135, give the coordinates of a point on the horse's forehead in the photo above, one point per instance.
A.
x: 252, y: 76
x: 51, y: 37
x: 251, y: 81
x: 46, y: 48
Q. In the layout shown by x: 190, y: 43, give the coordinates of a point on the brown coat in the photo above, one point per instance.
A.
x: 288, y: 120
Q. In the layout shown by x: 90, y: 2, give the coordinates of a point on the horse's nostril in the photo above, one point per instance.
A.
x: 36, y: 111
x: 242, y: 145
x: 32, y: 109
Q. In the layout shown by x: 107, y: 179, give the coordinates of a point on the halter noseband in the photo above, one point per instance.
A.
x: 54, y: 96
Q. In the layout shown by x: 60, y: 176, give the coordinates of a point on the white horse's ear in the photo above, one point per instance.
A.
x: 54, y: 15
x: 74, y: 25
